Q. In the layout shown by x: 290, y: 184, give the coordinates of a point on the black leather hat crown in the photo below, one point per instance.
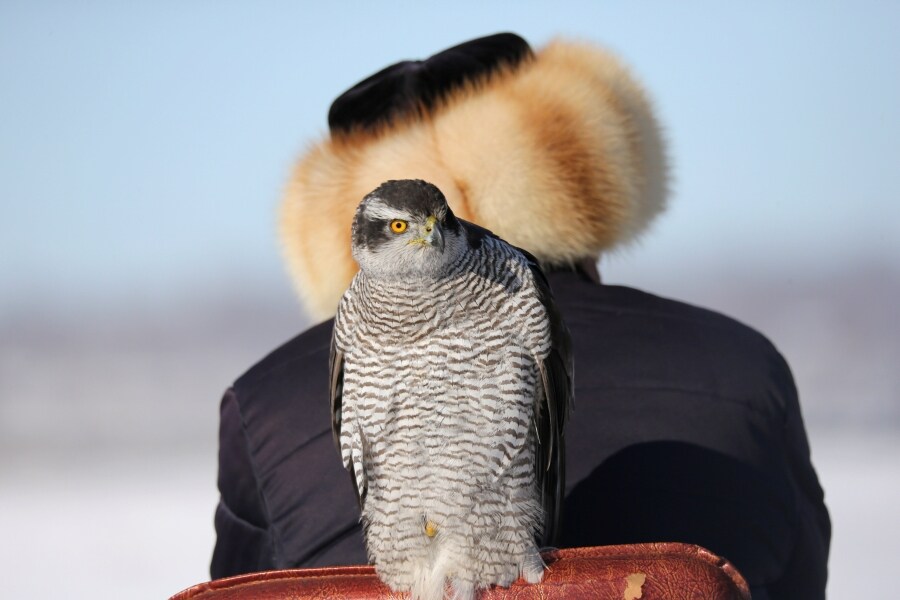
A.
x: 410, y: 87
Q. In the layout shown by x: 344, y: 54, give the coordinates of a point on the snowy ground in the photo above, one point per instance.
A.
x: 117, y: 527
x: 861, y: 476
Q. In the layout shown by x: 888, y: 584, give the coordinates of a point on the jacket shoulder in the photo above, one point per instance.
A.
x: 677, y: 320
x: 648, y: 343
x: 292, y: 354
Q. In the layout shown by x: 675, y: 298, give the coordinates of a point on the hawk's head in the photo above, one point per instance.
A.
x: 405, y: 227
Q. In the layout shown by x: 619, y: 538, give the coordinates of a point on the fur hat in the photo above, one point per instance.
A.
x: 557, y: 152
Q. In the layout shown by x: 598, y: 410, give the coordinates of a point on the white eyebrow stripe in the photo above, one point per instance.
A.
x: 378, y: 210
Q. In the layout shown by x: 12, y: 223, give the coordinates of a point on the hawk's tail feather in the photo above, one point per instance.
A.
x: 430, y: 578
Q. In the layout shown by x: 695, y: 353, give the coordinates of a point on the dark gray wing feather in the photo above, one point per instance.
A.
x: 336, y: 371
x: 557, y: 376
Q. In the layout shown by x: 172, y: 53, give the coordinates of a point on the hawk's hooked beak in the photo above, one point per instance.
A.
x: 430, y: 234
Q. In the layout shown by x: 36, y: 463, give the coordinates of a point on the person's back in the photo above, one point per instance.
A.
x: 686, y: 424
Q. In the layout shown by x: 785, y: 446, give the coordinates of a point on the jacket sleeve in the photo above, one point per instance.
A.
x: 813, y: 524
x: 243, y: 540
x: 797, y: 445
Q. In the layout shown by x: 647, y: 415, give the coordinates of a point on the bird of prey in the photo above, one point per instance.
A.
x: 451, y: 378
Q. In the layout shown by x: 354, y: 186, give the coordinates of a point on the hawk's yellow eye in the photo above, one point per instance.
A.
x: 398, y: 226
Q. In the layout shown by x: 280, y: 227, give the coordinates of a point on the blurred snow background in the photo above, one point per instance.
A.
x: 142, y: 154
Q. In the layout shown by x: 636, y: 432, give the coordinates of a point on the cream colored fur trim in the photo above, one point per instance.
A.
x: 561, y: 156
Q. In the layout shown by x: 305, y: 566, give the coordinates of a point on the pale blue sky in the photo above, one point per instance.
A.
x: 143, y: 148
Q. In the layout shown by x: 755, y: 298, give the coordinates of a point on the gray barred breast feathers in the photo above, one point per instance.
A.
x: 451, y: 378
